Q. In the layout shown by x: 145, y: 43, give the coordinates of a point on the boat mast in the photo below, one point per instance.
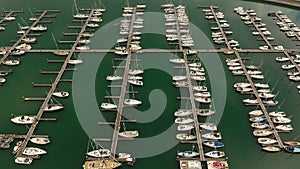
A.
x: 54, y: 41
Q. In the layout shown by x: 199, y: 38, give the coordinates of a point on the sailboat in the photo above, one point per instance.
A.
x: 128, y: 134
x: 23, y: 119
x: 53, y: 107
x: 101, y: 164
x: 11, y: 62
x: 40, y: 140
x: 79, y: 15
x: 23, y: 160
x: 31, y: 151
x: 57, y: 51
x: 60, y: 94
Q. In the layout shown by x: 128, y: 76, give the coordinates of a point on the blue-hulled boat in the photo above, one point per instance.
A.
x: 292, y: 149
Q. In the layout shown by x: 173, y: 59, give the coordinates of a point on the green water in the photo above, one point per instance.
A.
x: 68, y: 137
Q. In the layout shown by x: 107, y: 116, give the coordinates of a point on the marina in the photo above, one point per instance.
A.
x: 194, y: 125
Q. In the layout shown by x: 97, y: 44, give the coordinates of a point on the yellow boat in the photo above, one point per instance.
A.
x: 101, y: 164
x: 61, y: 52
x: 228, y: 52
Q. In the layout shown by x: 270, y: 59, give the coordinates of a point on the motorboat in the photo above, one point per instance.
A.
x: 179, y: 78
x: 203, y: 99
x: 217, y: 164
x: 209, y: 126
x: 183, y: 112
x: 100, y: 153
x: 212, y: 136
x: 292, y: 143
x: 11, y: 62
x: 108, y: 106
x: 114, y: 78
x: 132, y: 102
x: 262, y: 132
x: 200, y: 88
x: 277, y: 114
x: 294, y: 78
x: 23, y: 160
x: 82, y: 48
x: 214, y: 144
x: 215, y: 154
x: 181, y: 83
x: 282, y: 59
x: 135, y: 71
x: 60, y: 94
x: 177, y: 60
x: 271, y: 148
x: 188, y: 154
x: 39, y: 28
x: 40, y: 140
x: 292, y: 149
x: 256, y: 113
x: 29, y: 40
x: 101, y: 163
x: 281, y: 120
x: 129, y: 134
x: 242, y: 85
x: 23, y: 119
x: 185, y: 137
x: 183, y: 120
x: 260, y: 125
x: 261, y: 85
x: 250, y: 101
x: 202, y: 94
x: 205, y: 112
x: 130, y: 77
x: 136, y: 82
x: 260, y: 77
x: 184, y: 127
x: 287, y: 67
x: 124, y: 155
x: 53, y: 107
x: 266, y: 95
x: 257, y: 119
x: 23, y: 46
x: 2, y: 80
x: 31, y: 151
x: 287, y: 127
x: 266, y: 141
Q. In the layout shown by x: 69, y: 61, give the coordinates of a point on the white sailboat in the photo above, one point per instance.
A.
x: 188, y: 154
x: 108, y: 106
x: 128, y: 133
x: 185, y: 137
x: 209, y: 126
x: 183, y: 120
x: 100, y: 153
x: 183, y: 112
x: 185, y: 127
x: 40, y: 140
x: 132, y: 102
x: 262, y: 132
x: 282, y: 127
x: 114, y: 78
x: 61, y: 94
x: 23, y: 119
x: 23, y: 160
x: 266, y: 141
x: 212, y: 136
x: 215, y: 154
x: 31, y: 151
x: 11, y: 62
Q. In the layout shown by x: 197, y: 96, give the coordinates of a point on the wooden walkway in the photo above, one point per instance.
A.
x: 9, y: 50
x: 51, y: 91
x: 123, y: 90
x: 9, y: 13
x: 262, y: 106
x: 282, y: 20
x: 260, y: 32
x: 221, y: 29
x: 191, y: 97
